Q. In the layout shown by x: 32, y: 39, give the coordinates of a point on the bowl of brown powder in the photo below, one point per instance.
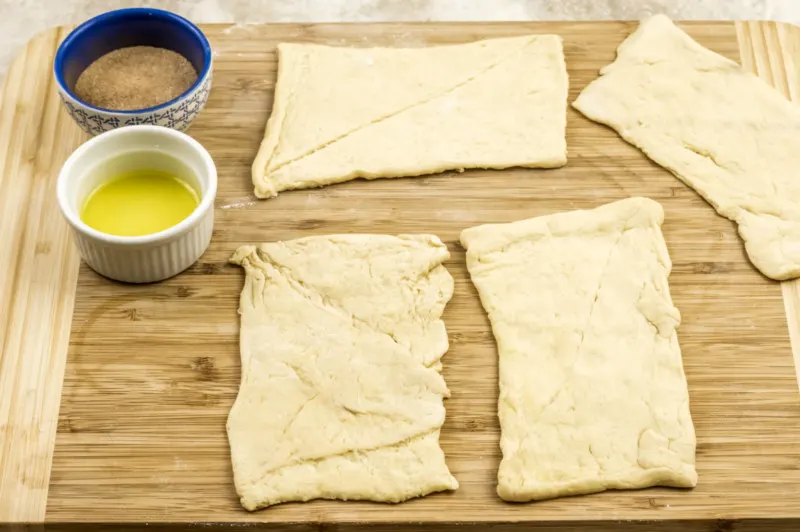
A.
x: 134, y: 66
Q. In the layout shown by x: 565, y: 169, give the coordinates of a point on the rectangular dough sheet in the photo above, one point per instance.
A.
x: 721, y: 130
x: 342, y: 113
x: 341, y: 394
x: 592, y: 390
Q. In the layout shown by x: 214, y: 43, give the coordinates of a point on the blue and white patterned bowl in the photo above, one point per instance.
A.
x: 133, y: 27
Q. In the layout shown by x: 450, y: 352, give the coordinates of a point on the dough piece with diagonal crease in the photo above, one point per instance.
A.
x: 341, y: 395
x: 343, y: 113
x: 719, y: 129
x: 592, y: 390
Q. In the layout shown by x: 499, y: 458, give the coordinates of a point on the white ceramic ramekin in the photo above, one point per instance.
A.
x: 148, y: 258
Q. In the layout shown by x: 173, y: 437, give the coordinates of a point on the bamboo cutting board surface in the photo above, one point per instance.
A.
x: 114, y: 411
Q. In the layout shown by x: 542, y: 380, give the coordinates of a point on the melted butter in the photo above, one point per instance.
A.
x: 138, y: 203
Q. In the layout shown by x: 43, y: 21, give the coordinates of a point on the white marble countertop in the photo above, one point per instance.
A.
x: 21, y: 19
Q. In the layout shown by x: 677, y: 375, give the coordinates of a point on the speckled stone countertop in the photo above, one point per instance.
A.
x: 21, y: 19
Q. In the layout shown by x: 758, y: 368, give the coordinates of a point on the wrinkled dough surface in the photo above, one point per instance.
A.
x: 719, y: 129
x: 341, y: 395
x: 344, y: 113
x: 592, y: 390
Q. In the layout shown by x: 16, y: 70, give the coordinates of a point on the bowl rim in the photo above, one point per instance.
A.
x: 206, y: 200
x: 89, y: 24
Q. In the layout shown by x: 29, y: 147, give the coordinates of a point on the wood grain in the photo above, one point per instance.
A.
x: 38, y: 270
x: 153, y: 370
x: 772, y: 51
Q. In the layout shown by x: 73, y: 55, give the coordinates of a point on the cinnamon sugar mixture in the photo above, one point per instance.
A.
x: 135, y: 77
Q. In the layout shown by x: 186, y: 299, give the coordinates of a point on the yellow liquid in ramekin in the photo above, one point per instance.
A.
x: 141, y: 202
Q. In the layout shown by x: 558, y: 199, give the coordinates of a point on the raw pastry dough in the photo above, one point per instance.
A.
x: 341, y: 395
x: 592, y: 390
x: 342, y: 113
x: 721, y: 130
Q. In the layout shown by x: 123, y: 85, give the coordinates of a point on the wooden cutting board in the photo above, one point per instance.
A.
x: 113, y: 398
